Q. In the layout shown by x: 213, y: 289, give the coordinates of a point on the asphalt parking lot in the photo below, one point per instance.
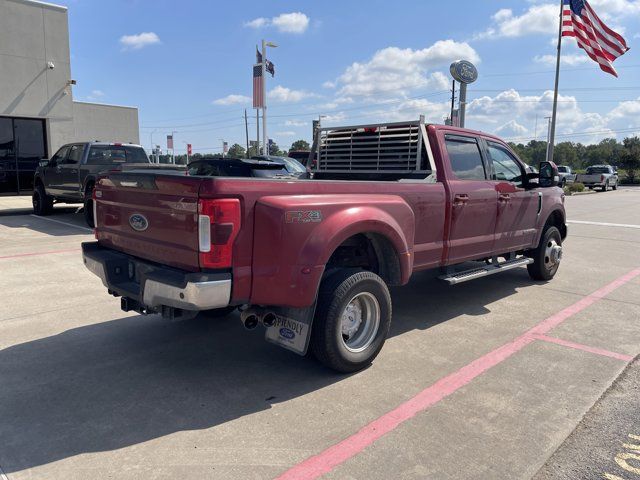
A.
x: 482, y: 380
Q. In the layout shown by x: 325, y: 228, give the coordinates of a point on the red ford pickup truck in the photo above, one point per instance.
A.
x: 311, y: 260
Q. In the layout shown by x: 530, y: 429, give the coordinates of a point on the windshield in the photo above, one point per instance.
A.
x: 591, y: 170
x: 110, y: 154
x: 563, y: 169
x: 293, y: 165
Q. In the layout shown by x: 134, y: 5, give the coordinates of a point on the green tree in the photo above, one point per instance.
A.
x: 236, y: 151
x: 275, y: 150
x: 630, y: 157
x: 564, y: 153
x: 300, y: 145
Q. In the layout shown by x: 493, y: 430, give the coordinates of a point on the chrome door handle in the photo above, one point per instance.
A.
x: 460, y: 199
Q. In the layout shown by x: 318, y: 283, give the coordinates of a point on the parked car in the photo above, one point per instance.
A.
x: 602, y: 176
x: 236, y: 167
x: 312, y: 260
x: 293, y: 166
x: 566, y: 175
x: 70, y: 175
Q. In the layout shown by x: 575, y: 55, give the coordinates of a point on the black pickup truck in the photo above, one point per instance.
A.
x: 69, y: 176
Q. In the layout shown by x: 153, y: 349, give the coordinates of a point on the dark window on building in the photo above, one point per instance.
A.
x: 464, y: 155
x: 22, y: 146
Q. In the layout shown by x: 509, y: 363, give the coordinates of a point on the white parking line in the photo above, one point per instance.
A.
x: 3, y: 476
x: 62, y: 223
x: 604, y: 224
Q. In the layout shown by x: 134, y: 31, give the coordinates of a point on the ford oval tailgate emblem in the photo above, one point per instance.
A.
x: 138, y: 222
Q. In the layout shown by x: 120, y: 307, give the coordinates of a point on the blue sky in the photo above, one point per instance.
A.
x: 187, y: 65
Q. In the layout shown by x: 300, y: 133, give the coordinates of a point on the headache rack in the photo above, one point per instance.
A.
x: 396, y: 150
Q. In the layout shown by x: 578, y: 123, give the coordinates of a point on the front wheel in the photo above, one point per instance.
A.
x: 615, y: 186
x: 547, y: 256
x: 352, y: 320
x: 42, y: 203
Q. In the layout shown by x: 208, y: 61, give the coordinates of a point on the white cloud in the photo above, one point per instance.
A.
x: 398, y: 70
x: 294, y: 22
x: 95, y: 95
x: 286, y: 133
x: 295, y: 123
x: 512, y: 129
x: 329, y: 84
x: 570, y: 60
x: 138, y: 41
x: 232, y: 99
x: 514, y: 117
x: 288, y: 95
x: 257, y: 22
x: 629, y: 109
x: 537, y: 19
x: 542, y: 18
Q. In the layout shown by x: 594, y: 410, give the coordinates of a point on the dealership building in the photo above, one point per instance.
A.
x: 37, y: 110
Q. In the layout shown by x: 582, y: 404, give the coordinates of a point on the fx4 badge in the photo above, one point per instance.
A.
x: 302, y: 216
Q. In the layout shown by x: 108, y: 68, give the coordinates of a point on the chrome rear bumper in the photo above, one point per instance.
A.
x: 154, y: 286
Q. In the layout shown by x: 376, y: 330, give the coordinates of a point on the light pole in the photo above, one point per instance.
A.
x: 187, y: 150
x: 265, y: 140
x: 173, y: 146
x: 548, y: 136
x: 152, y: 147
x: 222, y: 140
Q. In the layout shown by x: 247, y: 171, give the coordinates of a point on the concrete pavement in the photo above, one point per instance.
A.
x: 90, y: 391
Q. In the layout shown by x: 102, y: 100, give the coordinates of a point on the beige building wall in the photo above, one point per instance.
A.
x: 34, y: 73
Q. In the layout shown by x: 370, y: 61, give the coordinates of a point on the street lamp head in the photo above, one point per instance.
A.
x: 271, y: 44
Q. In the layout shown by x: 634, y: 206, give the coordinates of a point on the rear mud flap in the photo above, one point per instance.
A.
x: 292, y: 328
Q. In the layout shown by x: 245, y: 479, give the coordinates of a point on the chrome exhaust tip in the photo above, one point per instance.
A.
x: 269, y: 319
x: 249, y: 319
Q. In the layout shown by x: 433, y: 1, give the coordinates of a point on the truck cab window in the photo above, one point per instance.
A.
x: 75, y: 155
x: 505, y: 167
x: 465, y: 158
x: 60, y: 155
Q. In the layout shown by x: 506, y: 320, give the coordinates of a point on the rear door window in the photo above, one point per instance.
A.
x: 113, y: 154
x: 465, y: 158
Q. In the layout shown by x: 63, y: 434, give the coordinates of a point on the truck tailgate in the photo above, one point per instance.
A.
x: 151, y: 216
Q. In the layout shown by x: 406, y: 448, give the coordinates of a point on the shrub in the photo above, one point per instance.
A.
x: 571, y: 188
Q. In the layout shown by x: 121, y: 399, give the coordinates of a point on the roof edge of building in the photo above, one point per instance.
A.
x: 38, y: 3
x: 106, y: 104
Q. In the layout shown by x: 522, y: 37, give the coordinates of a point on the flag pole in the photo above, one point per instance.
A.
x: 552, y: 134
x: 265, y: 141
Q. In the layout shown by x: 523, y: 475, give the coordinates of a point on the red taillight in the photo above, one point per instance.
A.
x: 218, y: 226
x: 94, y: 205
x: 602, y: 178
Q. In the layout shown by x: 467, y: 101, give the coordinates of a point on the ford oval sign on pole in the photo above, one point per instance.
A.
x: 464, y: 72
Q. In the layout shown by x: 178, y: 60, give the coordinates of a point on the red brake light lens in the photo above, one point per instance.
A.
x: 218, y: 226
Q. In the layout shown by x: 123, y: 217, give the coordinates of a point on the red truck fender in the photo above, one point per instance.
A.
x: 308, y: 229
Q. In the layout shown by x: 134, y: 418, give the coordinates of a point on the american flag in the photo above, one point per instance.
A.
x: 601, y: 43
x: 169, y: 142
x: 258, y: 79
